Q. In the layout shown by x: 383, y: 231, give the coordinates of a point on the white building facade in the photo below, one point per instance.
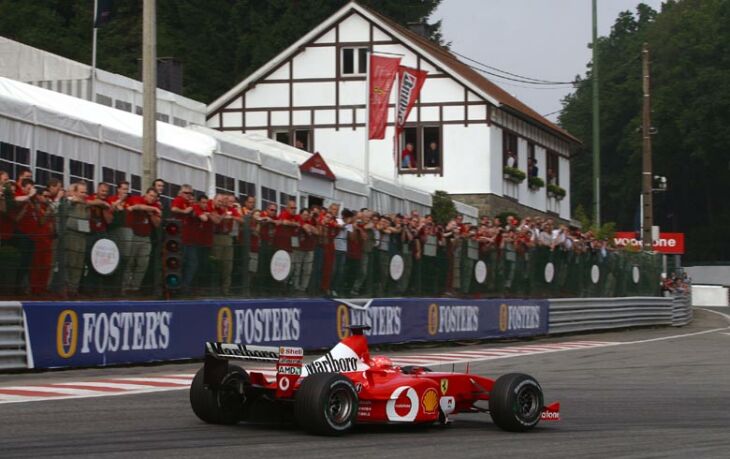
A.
x: 313, y: 95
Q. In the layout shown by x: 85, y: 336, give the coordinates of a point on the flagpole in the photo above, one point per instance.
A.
x: 92, y: 78
x: 366, y: 168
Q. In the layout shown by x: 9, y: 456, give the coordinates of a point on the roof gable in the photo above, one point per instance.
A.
x: 438, y: 55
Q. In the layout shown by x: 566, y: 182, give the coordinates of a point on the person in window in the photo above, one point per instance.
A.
x: 408, y: 157
x: 532, y: 168
x: 552, y: 179
x: 432, y: 154
x: 300, y: 145
x: 511, y: 159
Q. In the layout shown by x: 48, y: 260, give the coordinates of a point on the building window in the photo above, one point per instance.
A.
x: 268, y: 197
x: 13, y: 159
x: 179, y: 121
x: 303, y: 139
x: 532, y: 166
x: 224, y: 184
x: 104, y: 100
x: 47, y: 166
x: 284, y: 200
x: 509, y: 149
x: 138, y: 110
x: 299, y: 138
x: 553, y: 169
x: 135, y: 185
x: 246, y: 189
x: 421, y: 150
x: 122, y: 105
x: 354, y: 61
x: 82, y: 172
x: 112, y: 177
x: 283, y: 137
x: 431, y: 147
x: 409, y: 152
x: 162, y: 117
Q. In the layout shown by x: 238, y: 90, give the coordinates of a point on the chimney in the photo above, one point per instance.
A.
x: 169, y: 74
x: 419, y: 28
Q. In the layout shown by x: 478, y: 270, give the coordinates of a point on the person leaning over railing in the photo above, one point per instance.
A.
x: 55, y: 195
x: 303, y: 256
x: 101, y: 214
x: 344, y: 228
x: 143, y: 214
x: 35, y: 222
x: 223, y: 215
x: 74, y: 241
x: 245, y: 237
x: 118, y: 231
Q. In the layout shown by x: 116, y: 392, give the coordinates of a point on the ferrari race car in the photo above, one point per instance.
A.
x: 347, y: 386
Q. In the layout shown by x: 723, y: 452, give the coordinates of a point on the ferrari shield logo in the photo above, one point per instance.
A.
x: 444, y: 386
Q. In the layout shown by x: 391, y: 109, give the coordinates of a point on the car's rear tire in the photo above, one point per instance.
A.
x: 516, y: 402
x: 222, y: 405
x: 326, y: 404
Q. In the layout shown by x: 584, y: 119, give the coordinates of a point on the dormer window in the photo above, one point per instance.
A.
x: 354, y: 61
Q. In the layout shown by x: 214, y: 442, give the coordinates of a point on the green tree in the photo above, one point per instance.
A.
x: 689, y: 42
x: 219, y: 42
x: 443, y: 208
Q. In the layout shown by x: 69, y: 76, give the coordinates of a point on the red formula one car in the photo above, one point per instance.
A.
x: 347, y: 386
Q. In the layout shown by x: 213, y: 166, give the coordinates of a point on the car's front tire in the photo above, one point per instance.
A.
x: 516, y: 402
x: 326, y: 404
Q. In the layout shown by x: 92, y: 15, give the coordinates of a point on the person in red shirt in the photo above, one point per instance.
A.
x: 408, y: 157
x: 6, y: 222
x: 303, y: 256
x: 223, y: 217
x: 100, y: 210
x: 184, y: 208
x: 143, y: 214
x: 32, y: 221
x: 285, y: 235
x: 23, y: 191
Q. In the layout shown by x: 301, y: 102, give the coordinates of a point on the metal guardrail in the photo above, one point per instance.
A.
x: 583, y: 314
x: 682, y: 310
x: 12, y: 337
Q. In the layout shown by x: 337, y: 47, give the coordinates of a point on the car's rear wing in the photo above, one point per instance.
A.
x: 242, y: 352
x: 288, y: 362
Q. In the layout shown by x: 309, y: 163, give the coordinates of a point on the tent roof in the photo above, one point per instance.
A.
x: 68, y: 113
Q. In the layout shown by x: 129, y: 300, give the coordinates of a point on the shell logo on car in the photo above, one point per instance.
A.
x: 430, y: 401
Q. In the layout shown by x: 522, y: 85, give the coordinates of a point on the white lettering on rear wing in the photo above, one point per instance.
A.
x: 248, y: 352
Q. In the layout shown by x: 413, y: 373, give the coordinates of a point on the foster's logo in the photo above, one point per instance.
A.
x: 224, y: 325
x: 67, y: 333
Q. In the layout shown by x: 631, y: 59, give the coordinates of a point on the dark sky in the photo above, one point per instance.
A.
x: 544, y: 39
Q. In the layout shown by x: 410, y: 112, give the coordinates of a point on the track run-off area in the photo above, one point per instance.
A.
x: 657, y: 392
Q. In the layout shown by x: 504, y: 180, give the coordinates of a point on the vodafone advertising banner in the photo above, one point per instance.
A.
x: 668, y: 243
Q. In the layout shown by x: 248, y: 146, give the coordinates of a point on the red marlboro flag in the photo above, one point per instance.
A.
x: 382, y: 75
x: 411, y: 81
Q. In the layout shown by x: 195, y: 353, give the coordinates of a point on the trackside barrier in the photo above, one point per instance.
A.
x: 78, y: 334
x: 583, y: 314
x: 12, y: 336
x: 83, y: 334
x: 682, y: 310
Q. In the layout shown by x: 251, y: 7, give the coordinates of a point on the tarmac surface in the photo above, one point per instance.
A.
x: 661, y: 392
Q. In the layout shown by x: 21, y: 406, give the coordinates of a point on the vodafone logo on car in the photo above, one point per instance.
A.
x: 403, y: 405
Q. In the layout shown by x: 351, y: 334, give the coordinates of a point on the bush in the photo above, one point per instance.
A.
x: 515, y: 174
x: 535, y: 182
x: 443, y: 208
x: 556, y: 190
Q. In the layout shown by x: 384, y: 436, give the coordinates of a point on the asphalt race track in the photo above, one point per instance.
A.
x: 661, y: 393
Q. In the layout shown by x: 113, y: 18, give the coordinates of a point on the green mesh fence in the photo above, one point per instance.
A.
x: 59, y: 265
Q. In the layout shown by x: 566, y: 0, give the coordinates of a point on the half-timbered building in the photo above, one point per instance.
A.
x: 313, y: 96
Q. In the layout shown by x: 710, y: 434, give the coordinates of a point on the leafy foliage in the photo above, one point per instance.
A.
x: 443, y: 208
x: 218, y: 41
x: 556, y: 190
x: 514, y: 174
x: 535, y: 182
x: 689, y: 41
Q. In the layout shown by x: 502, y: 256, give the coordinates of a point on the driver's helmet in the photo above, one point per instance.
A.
x: 381, y: 362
